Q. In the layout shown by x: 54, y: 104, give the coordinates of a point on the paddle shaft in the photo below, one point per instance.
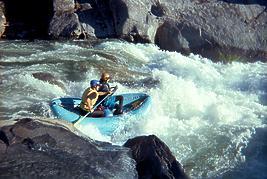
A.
x: 77, y: 122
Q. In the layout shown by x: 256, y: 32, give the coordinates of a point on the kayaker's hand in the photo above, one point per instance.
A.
x: 114, y: 88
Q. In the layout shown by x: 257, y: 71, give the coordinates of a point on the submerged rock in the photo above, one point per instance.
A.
x: 154, y: 159
x: 49, y: 78
x: 42, y: 149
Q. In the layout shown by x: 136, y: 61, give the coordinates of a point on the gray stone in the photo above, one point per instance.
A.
x: 51, y: 149
x: 211, y: 28
x: 63, y: 5
x: 65, y: 25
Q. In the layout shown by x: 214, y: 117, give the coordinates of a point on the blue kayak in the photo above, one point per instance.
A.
x: 133, y: 104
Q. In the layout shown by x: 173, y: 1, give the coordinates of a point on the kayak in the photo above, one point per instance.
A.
x: 133, y: 104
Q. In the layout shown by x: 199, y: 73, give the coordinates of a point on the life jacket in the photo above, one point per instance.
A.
x: 92, y: 94
x: 104, y: 87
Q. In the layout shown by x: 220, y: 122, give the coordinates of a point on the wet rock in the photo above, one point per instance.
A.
x: 154, y: 159
x: 49, y: 78
x: 49, y: 149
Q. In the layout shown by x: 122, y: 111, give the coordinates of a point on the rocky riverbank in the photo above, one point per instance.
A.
x: 222, y: 30
x: 43, y: 148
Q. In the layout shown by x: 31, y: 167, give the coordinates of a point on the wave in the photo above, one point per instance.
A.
x: 206, y: 112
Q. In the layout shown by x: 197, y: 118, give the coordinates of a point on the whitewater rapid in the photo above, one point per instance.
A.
x: 206, y: 112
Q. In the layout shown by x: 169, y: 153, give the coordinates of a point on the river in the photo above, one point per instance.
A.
x: 212, y: 115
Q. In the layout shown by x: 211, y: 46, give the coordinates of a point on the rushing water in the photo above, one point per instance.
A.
x: 211, y: 115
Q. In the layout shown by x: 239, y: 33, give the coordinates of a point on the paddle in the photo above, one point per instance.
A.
x: 75, y: 123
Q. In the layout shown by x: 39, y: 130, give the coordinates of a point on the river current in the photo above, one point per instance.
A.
x: 212, y: 115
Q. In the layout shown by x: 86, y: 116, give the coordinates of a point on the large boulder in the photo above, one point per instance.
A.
x: 216, y: 29
x: 103, y: 19
x: 154, y: 159
x: 51, y: 149
x: 45, y: 148
x: 64, y: 23
x: 48, y: 77
x: 221, y: 30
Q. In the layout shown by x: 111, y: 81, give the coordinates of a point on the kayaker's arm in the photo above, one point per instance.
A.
x: 104, y: 93
x: 114, y: 88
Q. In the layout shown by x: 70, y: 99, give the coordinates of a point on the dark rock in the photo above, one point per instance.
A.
x: 154, y: 159
x: 49, y: 78
x: 98, y: 20
x: 220, y: 30
x: 27, y: 19
x: 3, y: 138
x: 3, y: 22
x: 260, y: 2
x: 65, y: 25
x: 48, y: 149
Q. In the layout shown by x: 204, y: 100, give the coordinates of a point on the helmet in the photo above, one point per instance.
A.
x: 94, y: 83
x: 105, y: 76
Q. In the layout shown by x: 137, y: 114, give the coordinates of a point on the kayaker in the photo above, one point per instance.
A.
x: 111, y: 101
x: 89, y: 99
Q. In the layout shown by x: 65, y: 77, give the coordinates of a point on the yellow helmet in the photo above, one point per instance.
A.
x: 105, y: 76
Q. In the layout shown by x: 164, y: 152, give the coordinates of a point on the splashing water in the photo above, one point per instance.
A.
x: 207, y: 113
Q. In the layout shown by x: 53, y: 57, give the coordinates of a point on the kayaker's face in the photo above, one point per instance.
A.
x: 106, y: 79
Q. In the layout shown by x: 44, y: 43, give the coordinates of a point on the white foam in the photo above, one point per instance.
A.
x: 198, y: 103
x: 92, y: 132
x: 206, y: 112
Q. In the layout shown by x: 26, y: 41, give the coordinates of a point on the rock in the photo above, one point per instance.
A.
x: 131, y: 24
x: 154, y: 159
x: 215, y: 29
x: 61, y: 6
x: 169, y: 37
x: 49, y: 78
x: 51, y: 149
x: 65, y: 25
x: 3, y: 22
x: 218, y: 29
